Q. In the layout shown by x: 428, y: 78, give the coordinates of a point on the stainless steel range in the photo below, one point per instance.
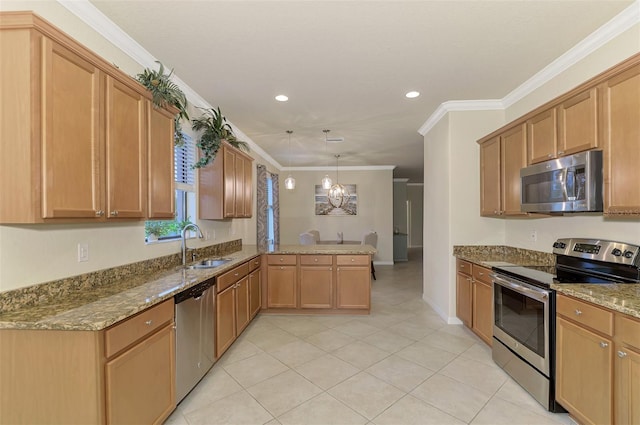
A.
x: 524, y: 306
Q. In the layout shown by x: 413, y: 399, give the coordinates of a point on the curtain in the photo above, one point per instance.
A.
x: 262, y: 209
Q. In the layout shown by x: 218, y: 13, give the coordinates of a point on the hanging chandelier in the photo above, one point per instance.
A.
x: 326, y: 180
x: 290, y: 182
x: 338, y: 195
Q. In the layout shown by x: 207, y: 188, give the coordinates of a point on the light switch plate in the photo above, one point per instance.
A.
x: 83, y: 252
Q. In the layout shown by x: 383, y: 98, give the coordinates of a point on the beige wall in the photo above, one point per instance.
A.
x: 451, y: 207
x: 375, y: 209
x: 31, y: 254
x: 416, y: 204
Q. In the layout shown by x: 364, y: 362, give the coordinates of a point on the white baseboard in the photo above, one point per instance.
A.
x: 383, y: 263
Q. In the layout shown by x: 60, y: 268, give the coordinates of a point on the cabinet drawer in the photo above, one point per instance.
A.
x: 276, y: 260
x: 254, y: 263
x: 481, y: 274
x: 316, y: 260
x: 125, y: 333
x: 628, y: 331
x: 353, y: 260
x: 232, y: 276
x: 463, y: 266
x: 586, y: 314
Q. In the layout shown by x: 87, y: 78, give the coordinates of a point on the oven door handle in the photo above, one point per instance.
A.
x: 537, y: 294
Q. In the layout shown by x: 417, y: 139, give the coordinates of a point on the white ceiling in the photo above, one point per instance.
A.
x: 346, y: 65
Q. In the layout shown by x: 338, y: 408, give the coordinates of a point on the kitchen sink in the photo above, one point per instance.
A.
x: 210, y: 264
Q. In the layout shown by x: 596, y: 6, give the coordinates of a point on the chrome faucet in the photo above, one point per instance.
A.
x: 184, y: 241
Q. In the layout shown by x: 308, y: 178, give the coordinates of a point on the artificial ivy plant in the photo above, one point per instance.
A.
x: 166, y: 92
x: 215, y: 129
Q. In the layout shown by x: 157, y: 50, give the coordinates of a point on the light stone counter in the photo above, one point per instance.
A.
x: 96, y: 306
x: 623, y: 298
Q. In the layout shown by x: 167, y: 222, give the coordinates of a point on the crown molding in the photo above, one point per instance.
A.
x: 458, y: 105
x: 607, y: 32
x: 342, y: 168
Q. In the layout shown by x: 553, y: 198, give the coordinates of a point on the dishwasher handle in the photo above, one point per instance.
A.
x: 195, y: 291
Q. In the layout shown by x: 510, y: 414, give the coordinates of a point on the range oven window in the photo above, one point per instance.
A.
x: 521, y: 317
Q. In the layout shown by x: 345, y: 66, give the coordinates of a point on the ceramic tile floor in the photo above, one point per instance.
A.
x: 400, y: 365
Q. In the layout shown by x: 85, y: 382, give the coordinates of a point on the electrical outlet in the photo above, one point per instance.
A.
x: 533, y: 235
x: 213, y: 234
x: 83, y: 252
x: 207, y: 235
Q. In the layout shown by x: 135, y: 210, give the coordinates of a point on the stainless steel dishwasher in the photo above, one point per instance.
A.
x: 195, y: 335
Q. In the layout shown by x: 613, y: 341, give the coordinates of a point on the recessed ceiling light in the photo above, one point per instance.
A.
x: 281, y: 98
x: 412, y: 94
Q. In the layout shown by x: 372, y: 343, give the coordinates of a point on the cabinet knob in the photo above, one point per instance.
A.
x: 281, y: 259
x: 236, y: 274
x: 622, y: 354
x: 281, y: 268
x: 560, y: 152
x: 353, y: 259
x: 315, y: 259
x: 114, y: 213
x: 603, y: 344
x: 480, y: 274
x: 99, y: 213
x: 148, y: 322
x: 550, y: 155
x: 578, y: 312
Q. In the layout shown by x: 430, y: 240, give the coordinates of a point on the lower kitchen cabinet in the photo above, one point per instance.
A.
x: 233, y: 311
x: 282, y: 276
x: 316, y: 281
x: 597, y: 363
x: 124, y: 374
x: 474, y: 298
x: 140, y: 382
x: 255, y: 287
x: 353, y: 282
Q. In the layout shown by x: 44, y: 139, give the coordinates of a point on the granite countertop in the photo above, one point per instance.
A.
x: 622, y: 298
x: 100, y: 307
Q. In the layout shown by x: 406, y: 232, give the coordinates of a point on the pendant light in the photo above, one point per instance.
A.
x: 326, y: 180
x: 290, y: 182
x: 338, y: 194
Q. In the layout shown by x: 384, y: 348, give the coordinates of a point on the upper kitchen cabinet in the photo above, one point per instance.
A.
x: 161, y: 158
x: 542, y: 141
x: 225, y: 186
x: 620, y: 114
x: 74, y: 132
x: 567, y: 128
x: 501, y: 159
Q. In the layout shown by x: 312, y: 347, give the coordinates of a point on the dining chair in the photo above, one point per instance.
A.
x: 307, y: 239
x: 315, y: 233
x: 371, y: 238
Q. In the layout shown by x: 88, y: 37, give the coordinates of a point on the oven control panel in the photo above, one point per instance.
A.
x: 599, y: 249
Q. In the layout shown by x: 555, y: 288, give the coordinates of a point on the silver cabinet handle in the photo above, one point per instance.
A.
x: 603, y: 344
x: 480, y: 274
x: 578, y: 312
x: 622, y: 354
x: 281, y: 268
x: 148, y: 322
x: 99, y: 213
x: 560, y: 152
x: 550, y: 155
x: 114, y: 213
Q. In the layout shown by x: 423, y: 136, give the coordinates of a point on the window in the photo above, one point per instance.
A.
x: 184, y: 174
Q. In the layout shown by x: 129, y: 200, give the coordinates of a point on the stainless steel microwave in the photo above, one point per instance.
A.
x: 568, y: 184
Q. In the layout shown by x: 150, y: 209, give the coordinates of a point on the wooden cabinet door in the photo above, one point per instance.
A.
x: 243, y: 310
x: 255, y: 292
x: 578, y: 123
x: 126, y: 151
x: 482, y: 308
x: 71, y: 145
x: 627, y: 389
x: 316, y: 287
x: 161, y: 165
x: 353, y: 287
x: 463, y: 299
x: 140, y: 383
x: 281, y: 287
x: 621, y: 139
x: 542, y: 139
x: 225, y: 320
x: 513, y: 158
x: 490, y: 196
x: 584, y: 387
x: 248, y: 188
x: 229, y: 196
